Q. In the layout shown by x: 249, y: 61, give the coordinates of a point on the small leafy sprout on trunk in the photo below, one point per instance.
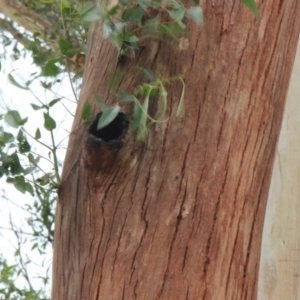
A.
x: 252, y: 6
x: 140, y: 99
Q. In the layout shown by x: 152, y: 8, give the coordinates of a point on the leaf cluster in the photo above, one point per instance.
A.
x: 52, y: 40
x: 129, y: 23
x: 23, y: 168
x: 154, y: 91
x: 10, y: 290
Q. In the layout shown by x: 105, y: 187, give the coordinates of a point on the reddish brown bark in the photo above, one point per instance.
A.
x: 180, y: 216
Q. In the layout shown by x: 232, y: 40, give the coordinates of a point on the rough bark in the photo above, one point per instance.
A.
x: 180, y: 216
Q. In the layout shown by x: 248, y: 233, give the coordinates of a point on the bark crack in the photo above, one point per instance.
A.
x: 231, y: 261
x: 123, y: 292
x: 144, y: 210
x: 215, y: 217
x: 121, y: 232
x: 171, y: 248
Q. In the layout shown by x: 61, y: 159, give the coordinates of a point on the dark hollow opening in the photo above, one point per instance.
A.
x: 114, y: 132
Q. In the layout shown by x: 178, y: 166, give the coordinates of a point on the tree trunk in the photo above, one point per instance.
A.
x: 179, y: 216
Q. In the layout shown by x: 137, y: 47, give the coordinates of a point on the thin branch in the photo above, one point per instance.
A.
x: 49, y: 148
x: 21, y: 261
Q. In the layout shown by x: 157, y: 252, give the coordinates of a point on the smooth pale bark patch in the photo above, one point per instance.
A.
x: 280, y: 266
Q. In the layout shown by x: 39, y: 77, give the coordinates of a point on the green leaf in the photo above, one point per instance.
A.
x: 89, y: 13
x: 24, y: 146
x: 49, y: 123
x: 152, y: 23
x: 145, y: 89
x: 180, y: 108
x: 13, y: 119
x: 172, y: 30
x: 19, y: 183
x: 125, y: 97
x: 29, y: 170
x: 38, y: 134
x: 108, y: 115
x: 175, y: 4
x: 2, y: 171
x: 33, y: 160
x: 124, y: 2
x: 113, y: 10
x: 65, y: 4
x: 36, y: 107
x: 195, y: 13
x: 45, y: 179
x: 71, y: 52
x: 162, y: 100
x: 53, y: 102
x: 132, y: 39
x: 66, y: 13
x: 20, y: 135
x: 46, y: 85
x: 177, y: 15
x: 34, y: 246
x: 50, y: 69
x: 6, y: 137
x: 137, y: 116
x: 149, y: 74
x: 143, y: 121
x: 7, y: 273
x: 9, y: 179
x: 101, y: 103
x: 86, y: 111
x: 15, y: 83
x: 7, y: 159
x: 15, y: 166
x: 29, y: 188
x: 196, y: 1
x: 64, y: 46
x: 144, y: 3
x: 133, y: 14
x: 252, y: 6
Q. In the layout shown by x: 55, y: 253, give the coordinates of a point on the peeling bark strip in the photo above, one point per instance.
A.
x: 180, y: 216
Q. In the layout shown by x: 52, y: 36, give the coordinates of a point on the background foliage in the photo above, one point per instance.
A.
x: 49, y: 36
